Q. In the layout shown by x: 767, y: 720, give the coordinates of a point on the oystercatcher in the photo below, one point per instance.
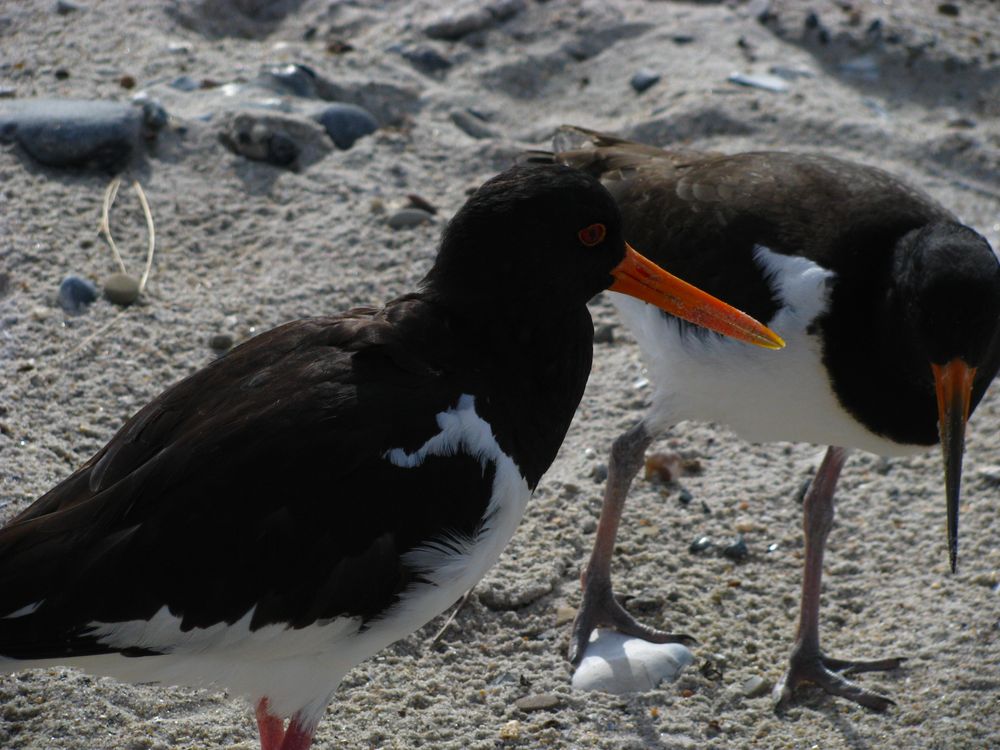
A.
x: 331, y: 485
x: 821, y: 250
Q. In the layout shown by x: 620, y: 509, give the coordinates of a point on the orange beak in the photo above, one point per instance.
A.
x: 643, y: 279
x: 953, y: 383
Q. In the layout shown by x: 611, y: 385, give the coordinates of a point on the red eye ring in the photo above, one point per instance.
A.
x: 592, y: 235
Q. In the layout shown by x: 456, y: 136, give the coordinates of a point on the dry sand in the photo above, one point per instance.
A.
x: 244, y: 246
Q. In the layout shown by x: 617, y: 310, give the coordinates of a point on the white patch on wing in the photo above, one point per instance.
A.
x: 299, y: 669
x: 763, y: 395
x: 23, y: 611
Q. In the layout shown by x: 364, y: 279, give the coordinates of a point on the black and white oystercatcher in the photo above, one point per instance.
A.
x: 331, y: 485
x: 889, y: 306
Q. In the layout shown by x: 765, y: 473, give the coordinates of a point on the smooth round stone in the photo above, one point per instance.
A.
x: 121, y: 288
x: 75, y: 294
x: 345, y: 123
x: 644, y: 79
x: 616, y: 663
x: 756, y: 686
x: 409, y: 217
x: 220, y: 342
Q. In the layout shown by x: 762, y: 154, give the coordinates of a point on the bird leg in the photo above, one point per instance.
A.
x: 807, y: 662
x: 274, y: 735
x: 599, y: 607
x: 271, y: 727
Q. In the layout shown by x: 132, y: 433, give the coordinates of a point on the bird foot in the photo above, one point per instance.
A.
x: 829, y: 674
x: 601, y: 609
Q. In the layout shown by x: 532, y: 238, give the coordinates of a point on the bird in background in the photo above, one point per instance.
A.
x: 331, y: 485
x: 890, y: 308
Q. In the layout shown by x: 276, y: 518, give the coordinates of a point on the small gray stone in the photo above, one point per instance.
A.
x: 471, y: 125
x: 764, y: 81
x: 221, y: 342
x: 406, y: 218
x: 600, y: 473
x: 345, y: 123
x: 75, y: 294
x: 700, y: 544
x: 737, y: 550
x: 644, y: 79
x: 65, y: 7
x: 540, y: 702
x: 184, y: 83
x: 453, y: 25
x: 121, y: 288
x: 294, y: 79
x: 276, y: 138
x: 756, y: 686
x: 427, y: 60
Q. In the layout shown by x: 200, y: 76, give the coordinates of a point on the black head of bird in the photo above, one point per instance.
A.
x: 537, y: 237
x: 948, y: 293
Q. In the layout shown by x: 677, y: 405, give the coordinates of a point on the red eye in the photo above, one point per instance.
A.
x: 591, y: 235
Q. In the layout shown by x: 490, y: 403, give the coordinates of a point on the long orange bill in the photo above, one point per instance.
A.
x: 953, y: 382
x: 641, y: 278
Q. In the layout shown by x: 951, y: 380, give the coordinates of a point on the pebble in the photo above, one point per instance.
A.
x: 756, y: 686
x: 540, y: 702
x: 64, y: 7
x: 73, y: 133
x: 284, y: 140
x: 184, y: 83
x: 990, y: 474
x: 294, y: 79
x: 511, y: 730
x: 453, y: 25
x: 685, y: 497
x: 472, y: 125
x: 764, y: 81
x: 221, y: 342
x: 121, y: 288
x: 406, y: 218
x: 700, y: 544
x: 75, y: 294
x: 565, y: 615
x: 644, y: 79
x: 616, y: 663
x: 736, y: 550
x: 662, y: 467
x: 949, y: 9
x: 600, y: 473
x: 345, y: 123
x: 427, y: 60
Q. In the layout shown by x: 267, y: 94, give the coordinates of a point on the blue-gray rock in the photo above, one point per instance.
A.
x: 75, y: 294
x: 64, y: 7
x: 154, y: 116
x: 345, y: 123
x: 427, y: 60
x: 644, y: 79
x: 700, y: 544
x: 472, y: 125
x: 409, y: 217
x: 73, y: 133
x: 184, y: 83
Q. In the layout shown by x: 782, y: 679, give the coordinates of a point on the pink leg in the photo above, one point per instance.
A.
x: 298, y: 736
x: 271, y: 727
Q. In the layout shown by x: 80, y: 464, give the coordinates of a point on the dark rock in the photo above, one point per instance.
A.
x: 644, y: 79
x: 471, y: 125
x: 121, y: 288
x: 7, y: 92
x: 73, y: 133
x: 75, y: 294
x: 949, y: 9
x: 127, y: 81
x: 680, y: 39
x: 409, y: 217
x: 685, y: 497
x: 345, y: 123
x: 540, y: 702
x: 737, y: 550
x: 427, y: 60
x: 221, y: 342
x: 416, y: 201
x: 700, y: 544
x: 154, y: 116
x: 65, y: 7
x: 61, y: 74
